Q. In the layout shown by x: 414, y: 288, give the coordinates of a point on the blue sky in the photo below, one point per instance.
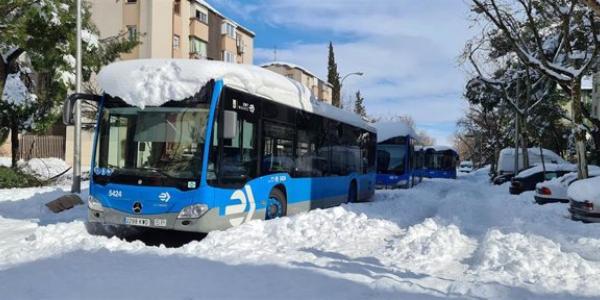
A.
x: 408, y: 50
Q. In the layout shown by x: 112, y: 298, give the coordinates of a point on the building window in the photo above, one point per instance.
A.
x: 175, y: 41
x: 228, y: 29
x: 198, y: 48
x: 177, y: 7
x: 132, y: 32
x: 228, y: 57
x: 201, y: 16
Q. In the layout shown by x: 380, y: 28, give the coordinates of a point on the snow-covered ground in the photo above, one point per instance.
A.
x: 445, y: 238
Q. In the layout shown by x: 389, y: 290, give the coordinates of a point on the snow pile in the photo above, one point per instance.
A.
x: 532, y: 260
x: 44, y: 168
x: 41, y: 168
x: 15, y: 92
x: 461, y: 238
x: 153, y: 82
x: 388, y: 130
x: 585, y: 190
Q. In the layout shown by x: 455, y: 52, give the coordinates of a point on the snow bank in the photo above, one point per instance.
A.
x: 461, y: 238
x: 585, y: 190
x: 44, y: 168
x: 388, y: 130
x: 154, y: 82
x: 536, y: 261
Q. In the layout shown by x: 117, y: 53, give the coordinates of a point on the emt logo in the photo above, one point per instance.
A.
x: 246, y: 200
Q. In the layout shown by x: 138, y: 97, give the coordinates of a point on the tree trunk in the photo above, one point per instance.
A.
x: 14, y: 142
x: 595, y: 159
x: 3, y: 75
x: 580, y: 132
x: 516, y: 167
x: 524, y: 142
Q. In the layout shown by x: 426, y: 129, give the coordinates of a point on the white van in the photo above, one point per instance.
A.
x: 506, y: 160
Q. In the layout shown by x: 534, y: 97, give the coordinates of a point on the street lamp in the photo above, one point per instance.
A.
x: 344, y: 78
x: 342, y: 83
x: 76, y: 186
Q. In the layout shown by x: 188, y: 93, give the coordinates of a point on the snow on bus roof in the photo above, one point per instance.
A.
x: 439, y: 148
x: 388, y: 130
x: 153, y: 82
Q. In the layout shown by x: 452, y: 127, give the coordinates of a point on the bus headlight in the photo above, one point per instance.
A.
x: 94, y: 204
x: 193, y: 211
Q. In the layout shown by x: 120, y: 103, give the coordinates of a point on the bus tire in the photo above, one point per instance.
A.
x: 352, y: 193
x: 276, y: 205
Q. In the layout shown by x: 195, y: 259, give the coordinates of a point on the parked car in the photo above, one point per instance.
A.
x: 466, y: 166
x: 500, y: 179
x: 584, y: 196
x: 506, y: 162
x: 527, y: 179
x: 555, y: 190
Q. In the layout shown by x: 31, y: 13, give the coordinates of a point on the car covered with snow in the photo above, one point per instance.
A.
x: 466, y: 166
x: 506, y: 162
x: 584, y: 196
x: 555, y: 190
x: 527, y: 179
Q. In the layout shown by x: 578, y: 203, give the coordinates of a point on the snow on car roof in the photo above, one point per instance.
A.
x: 593, y: 170
x: 549, y: 168
x: 388, y: 130
x: 585, y: 190
x: 153, y: 82
x: 535, y: 151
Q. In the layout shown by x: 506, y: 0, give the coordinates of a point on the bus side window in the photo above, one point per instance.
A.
x: 278, y: 149
x: 238, y: 159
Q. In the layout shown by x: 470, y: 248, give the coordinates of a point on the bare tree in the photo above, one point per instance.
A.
x: 558, y: 38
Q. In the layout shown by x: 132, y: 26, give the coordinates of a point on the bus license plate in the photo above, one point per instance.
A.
x: 137, y: 221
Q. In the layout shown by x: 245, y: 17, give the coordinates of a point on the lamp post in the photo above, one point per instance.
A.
x: 76, y: 187
x: 342, y: 83
x: 344, y: 78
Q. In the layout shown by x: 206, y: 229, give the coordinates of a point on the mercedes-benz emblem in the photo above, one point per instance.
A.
x: 137, y: 207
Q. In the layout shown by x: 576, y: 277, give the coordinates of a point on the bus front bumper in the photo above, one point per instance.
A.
x: 210, y: 221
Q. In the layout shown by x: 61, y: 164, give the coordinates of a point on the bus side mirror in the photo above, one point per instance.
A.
x: 230, y: 125
x: 68, y: 106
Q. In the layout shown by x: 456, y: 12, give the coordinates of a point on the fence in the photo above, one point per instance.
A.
x: 41, y: 146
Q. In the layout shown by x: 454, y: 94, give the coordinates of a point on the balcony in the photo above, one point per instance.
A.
x: 199, y: 29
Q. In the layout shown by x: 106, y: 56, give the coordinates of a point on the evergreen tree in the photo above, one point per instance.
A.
x: 359, y: 106
x: 333, y: 77
x: 37, y: 65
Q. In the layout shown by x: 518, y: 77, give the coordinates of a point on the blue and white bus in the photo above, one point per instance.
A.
x: 439, y: 162
x: 395, y: 155
x: 228, y: 144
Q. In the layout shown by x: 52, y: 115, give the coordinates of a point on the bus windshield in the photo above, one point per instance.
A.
x: 391, y: 159
x: 154, y: 142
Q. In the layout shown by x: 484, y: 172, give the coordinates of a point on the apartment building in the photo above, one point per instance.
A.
x: 321, y: 89
x: 174, y: 29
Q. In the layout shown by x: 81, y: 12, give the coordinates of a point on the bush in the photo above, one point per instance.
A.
x: 11, y: 178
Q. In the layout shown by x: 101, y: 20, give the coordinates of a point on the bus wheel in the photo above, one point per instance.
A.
x: 275, y: 205
x: 352, y: 193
